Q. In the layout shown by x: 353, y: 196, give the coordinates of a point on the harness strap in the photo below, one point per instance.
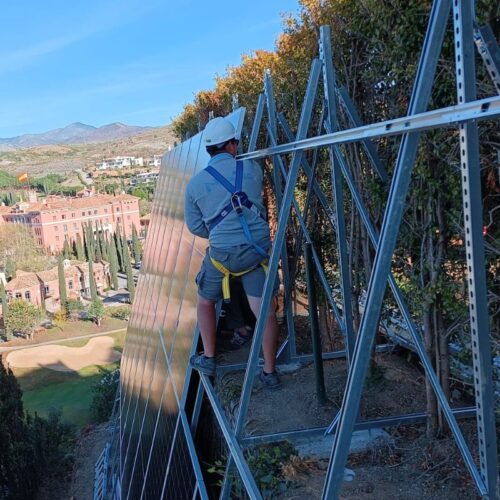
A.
x: 238, y: 197
x: 226, y: 293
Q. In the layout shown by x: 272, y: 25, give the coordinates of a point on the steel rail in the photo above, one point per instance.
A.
x: 481, y: 109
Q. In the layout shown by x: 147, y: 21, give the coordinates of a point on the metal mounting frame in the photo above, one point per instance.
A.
x: 464, y: 116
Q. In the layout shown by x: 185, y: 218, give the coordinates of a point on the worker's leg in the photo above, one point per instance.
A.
x: 206, y: 321
x: 270, y: 340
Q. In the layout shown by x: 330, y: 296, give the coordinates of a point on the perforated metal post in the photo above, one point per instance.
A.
x: 470, y: 173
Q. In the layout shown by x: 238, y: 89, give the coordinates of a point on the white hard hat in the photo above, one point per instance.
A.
x: 218, y: 131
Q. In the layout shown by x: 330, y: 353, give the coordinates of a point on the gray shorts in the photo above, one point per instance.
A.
x: 236, y: 259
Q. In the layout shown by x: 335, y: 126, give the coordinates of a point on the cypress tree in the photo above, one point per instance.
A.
x: 128, y: 271
x: 5, y: 309
x: 113, y: 263
x: 90, y: 230
x: 10, y: 269
x: 66, y: 250
x: 63, y: 294
x: 93, y: 287
x: 19, y: 454
x: 98, y: 250
x: 80, y: 252
x: 119, y: 249
x: 89, y: 242
x: 136, y: 245
x: 104, y: 244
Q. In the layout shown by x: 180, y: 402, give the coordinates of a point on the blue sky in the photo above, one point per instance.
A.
x: 132, y: 61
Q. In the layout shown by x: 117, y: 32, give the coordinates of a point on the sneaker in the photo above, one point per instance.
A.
x: 270, y: 381
x: 203, y: 364
x: 239, y: 340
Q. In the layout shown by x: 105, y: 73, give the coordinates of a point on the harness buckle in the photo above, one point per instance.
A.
x: 237, y: 200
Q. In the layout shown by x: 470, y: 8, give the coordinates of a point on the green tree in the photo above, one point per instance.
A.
x: 67, y: 250
x: 10, y: 269
x: 18, y: 250
x: 140, y: 193
x: 89, y: 241
x: 32, y: 447
x: 104, y: 395
x: 5, y: 309
x: 128, y: 271
x: 96, y: 311
x: 119, y: 249
x: 18, y: 472
x: 113, y: 263
x: 22, y: 318
x: 93, y: 287
x: 104, y: 244
x: 97, y: 242
x: 63, y: 293
x: 136, y: 245
x: 79, y: 250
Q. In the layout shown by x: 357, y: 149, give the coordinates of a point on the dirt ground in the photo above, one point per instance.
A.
x: 87, y: 451
x: 413, y: 467
x: 80, y: 485
x: 97, y: 351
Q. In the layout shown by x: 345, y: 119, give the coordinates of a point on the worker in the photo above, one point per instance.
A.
x: 223, y: 203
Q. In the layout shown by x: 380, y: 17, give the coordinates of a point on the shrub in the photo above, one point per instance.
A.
x: 104, y: 396
x: 60, y: 316
x: 120, y: 312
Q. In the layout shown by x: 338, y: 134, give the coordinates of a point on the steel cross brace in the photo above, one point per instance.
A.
x: 325, y: 49
x: 390, y: 227
x: 488, y: 49
x: 271, y: 124
x: 449, y: 414
x: 397, y: 293
x: 307, y: 205
x: 417, y: 339
x: 317, y: 262
x: 278, y: 242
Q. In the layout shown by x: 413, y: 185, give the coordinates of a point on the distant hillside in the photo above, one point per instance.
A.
x: 66, y: 157
x: 76, y: 133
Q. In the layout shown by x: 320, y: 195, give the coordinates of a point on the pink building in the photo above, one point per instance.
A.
x: 56, y: 219
x: 44, y: 285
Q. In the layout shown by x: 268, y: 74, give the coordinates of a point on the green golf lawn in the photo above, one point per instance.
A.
x: 44, y: 389
x: 72, y: 395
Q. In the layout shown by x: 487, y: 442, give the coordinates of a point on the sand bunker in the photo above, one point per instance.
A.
x: 98, y: 351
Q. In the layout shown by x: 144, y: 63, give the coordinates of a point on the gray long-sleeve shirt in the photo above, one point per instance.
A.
x: 205, y: 198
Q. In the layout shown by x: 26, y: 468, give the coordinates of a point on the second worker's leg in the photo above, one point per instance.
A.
x: 270, y: 340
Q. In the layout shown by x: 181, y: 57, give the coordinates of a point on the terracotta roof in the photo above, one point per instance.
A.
x: 25, y: 280
x: 61, y: 203
x: 50, y: 275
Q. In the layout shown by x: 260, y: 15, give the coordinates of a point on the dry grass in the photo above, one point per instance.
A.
x: 66, y: 158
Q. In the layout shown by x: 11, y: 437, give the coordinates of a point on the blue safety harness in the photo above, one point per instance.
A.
x: 238, y: 200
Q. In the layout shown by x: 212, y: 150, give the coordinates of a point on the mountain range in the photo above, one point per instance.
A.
x: 75, y: 133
